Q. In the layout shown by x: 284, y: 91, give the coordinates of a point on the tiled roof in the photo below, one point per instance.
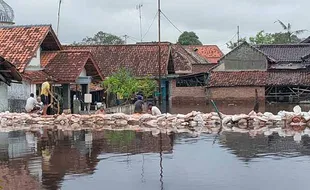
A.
x: 182, y: 60
x: 65, y: 67
x: 37, y: 77
x: 240, y: 78
x: 142, y: 60
x: 46, y: 57
x: 285, y: 52
x: 8, y: 72
x: 307, y: 40
x: 20, y: 43
x: 258, y: 78
x: 211, y: 53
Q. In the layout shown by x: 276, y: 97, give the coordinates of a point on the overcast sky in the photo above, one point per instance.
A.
x: 214, y: 21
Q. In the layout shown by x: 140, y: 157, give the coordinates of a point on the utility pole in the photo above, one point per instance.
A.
x: 238, y: 34
x: 159, y: 55
x: 58, y: 19
x: 139, y: 7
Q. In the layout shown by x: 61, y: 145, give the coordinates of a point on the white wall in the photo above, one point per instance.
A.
x: 83, y: 73
x: 35, y: 63
x: 4, y: 104
x: 18, y: 95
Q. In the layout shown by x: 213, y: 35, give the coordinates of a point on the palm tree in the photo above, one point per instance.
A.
x: 288, y: 30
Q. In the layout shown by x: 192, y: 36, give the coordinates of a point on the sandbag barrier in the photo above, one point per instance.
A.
x: 193, y: 123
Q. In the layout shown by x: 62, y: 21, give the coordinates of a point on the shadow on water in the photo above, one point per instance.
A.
x: 131, y: 160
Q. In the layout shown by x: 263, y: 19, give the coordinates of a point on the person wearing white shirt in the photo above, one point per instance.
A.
x: 31, y: 104
x: 153, y: 109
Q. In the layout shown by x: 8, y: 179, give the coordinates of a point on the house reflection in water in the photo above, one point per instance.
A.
x: 247, y: 148
x: 46, y: 158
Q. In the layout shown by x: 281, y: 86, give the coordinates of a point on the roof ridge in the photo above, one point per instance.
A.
x: 116, y: 45
x: 280, y: 45
x: 23, y: 26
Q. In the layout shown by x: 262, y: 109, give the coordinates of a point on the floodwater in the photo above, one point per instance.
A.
x: 138, y: 161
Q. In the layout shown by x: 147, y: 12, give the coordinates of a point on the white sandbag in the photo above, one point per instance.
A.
x: 297, y: 110
x: 227, y: 120
x: 238, y: 117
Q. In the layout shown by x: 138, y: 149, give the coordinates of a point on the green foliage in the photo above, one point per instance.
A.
x: 121, y: 138
x: 101, y: 38
x: 147, y: 86
x: 189, y: 38
x: 262, y: 38
x: 121, y: 83
x: 232, y: 45
x: 286, y: 37
x: 126, y: 85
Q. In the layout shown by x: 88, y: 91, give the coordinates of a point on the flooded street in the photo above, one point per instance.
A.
x: 130, y: 160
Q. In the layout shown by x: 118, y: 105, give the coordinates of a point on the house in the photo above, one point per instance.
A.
x: 277, y: 72
x: 142, y: 60
x: 8, y: 75
x: 37, y: 54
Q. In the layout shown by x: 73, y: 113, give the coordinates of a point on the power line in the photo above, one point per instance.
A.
x: 171, y: 22
x: 150, y: 25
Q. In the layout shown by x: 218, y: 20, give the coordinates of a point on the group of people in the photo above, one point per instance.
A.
x: 41, y: 104
x: 151, y: 108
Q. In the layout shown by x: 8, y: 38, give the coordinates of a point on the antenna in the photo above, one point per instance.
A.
x: 58, y: 19
x: 139, y: 7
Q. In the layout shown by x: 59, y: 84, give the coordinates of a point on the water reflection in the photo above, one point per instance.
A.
x: 59, y: 159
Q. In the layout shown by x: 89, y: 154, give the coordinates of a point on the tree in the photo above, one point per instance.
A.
x: 126, y: 85
x: 289, y: 35
x: 232, y: 45
x: 189, y: 38
x: 262, y: 38
x: 101, y: 38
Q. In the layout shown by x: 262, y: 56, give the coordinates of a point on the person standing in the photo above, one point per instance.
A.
x: 45, y: 92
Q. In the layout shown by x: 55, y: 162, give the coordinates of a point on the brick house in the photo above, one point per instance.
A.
x: 142, y: 60
x: 279, y: 73
x: 37, y: 54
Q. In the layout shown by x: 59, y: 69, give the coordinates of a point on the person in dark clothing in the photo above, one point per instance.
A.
x: 139, y: 105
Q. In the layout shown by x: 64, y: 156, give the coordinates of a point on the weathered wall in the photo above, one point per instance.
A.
x: 3, y: 97
x: 235, y: 93
x: 17, y: 96
x: 35, y: 62
x: 187, y: 95
x: 243, y: 58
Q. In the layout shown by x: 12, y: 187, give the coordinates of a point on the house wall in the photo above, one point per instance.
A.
x: 35, y: 62
x: 18, y: 95
x: 3, y: 97
x: 187, y: 95
x: 235, y: 93
x: 83, y: 73
x: 243, y: 58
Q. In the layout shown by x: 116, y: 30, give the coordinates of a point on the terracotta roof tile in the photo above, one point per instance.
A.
x: 20, y: 43
x: 182, y: 60
x: 211, y: 53
x: 66, y: 66
x: 46, y: 57
x: 258, y: 78
x: 142, y: 60
x: 36, y: 77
